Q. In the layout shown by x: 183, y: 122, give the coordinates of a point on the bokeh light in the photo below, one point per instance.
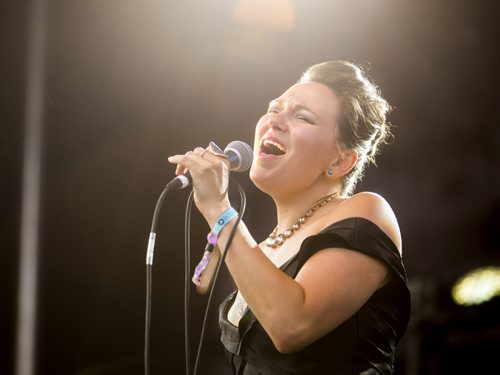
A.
x: 477, y: 286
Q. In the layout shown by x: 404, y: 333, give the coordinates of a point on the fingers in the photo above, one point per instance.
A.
x: 180, y: 170
x: 189, y: 160
x: 199, y: 157
x: 204, y: 166
x: 200, y: 151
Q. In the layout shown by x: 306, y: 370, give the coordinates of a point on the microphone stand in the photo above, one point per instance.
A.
x: 149, y: 266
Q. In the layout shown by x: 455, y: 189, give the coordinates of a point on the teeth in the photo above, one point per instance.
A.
x: 275, y: 144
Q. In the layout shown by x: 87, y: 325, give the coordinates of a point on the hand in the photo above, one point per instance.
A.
x: 210, y: 174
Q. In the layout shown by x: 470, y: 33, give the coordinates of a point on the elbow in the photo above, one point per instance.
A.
x: 290, y: 332
x: 288, y: 341
x: 285, y: 348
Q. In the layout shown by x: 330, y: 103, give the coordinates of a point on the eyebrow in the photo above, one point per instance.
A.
x: 296, y: 106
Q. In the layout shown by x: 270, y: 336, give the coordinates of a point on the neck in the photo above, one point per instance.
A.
x: 293, y: 205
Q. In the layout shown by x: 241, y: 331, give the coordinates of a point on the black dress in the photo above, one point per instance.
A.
x: 364, y: 344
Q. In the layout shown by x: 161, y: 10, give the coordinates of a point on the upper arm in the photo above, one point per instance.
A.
x: 336, y: 282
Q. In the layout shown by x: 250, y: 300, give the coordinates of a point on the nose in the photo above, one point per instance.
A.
x: 277, y: 121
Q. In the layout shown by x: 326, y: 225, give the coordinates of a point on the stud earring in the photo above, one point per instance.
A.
x: 329, y: 172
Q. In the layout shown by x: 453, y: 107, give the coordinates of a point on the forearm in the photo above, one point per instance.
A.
x: 274, y: 298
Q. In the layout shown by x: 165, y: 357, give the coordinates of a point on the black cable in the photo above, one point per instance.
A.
x: 187, y: 284
x: 147, y: 331
x: 217, y: 270
x: 149, y: 282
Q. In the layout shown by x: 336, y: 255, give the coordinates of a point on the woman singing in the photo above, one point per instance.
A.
x: 326, y: 292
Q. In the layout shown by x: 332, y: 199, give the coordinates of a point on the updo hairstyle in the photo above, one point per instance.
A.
x: 362, y: 126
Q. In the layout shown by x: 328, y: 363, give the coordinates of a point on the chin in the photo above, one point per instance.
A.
x: 254, y: 176
x: 259, y: 179
x: 265, y: 181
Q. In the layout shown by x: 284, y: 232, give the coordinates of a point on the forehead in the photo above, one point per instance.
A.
x: 314, y: 96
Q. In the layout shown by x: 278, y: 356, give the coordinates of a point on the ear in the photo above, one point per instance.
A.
x: 344, y: 164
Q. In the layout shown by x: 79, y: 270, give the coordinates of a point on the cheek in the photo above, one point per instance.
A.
x: 261, y: 124
x: 315, y: 149
x: 259, y: 130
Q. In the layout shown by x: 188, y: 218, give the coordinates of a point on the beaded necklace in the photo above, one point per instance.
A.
x: 275, y: 240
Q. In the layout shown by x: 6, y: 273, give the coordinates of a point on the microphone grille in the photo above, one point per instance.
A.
x: 244, y: 155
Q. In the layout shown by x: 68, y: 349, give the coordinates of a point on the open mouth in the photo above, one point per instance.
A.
x: 269, y: 146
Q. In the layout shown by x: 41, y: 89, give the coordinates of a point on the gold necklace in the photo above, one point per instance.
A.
x: 275, y: 240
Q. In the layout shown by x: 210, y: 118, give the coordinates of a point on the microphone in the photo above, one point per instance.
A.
x: 238, y: 153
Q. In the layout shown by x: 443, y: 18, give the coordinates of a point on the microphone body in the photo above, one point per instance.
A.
x: 239, y: 154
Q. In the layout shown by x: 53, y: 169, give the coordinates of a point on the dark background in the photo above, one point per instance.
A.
x: 129, y: 83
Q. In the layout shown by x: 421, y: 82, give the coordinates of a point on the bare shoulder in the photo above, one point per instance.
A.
x: 373, y: 207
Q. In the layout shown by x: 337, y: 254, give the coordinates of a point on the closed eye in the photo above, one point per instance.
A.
x: 306, y: 119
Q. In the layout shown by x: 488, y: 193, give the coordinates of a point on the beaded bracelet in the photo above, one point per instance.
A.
x: 211, y: 242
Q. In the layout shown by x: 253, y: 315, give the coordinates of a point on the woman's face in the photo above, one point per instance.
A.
x: 295, y: 140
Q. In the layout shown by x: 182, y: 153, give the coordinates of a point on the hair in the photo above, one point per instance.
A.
x: 363, y: 126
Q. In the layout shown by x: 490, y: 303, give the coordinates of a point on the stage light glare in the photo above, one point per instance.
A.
x: 477, y: 286
x: 267, y: 15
